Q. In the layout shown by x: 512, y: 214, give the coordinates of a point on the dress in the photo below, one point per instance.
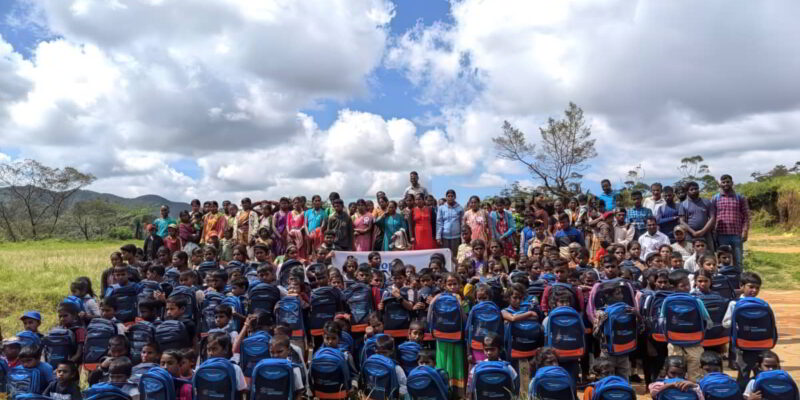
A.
x: 279, y: 235
x: 423, y: 230
x: 363, y: 241
x: 214, y: 225
x: 478, y: 222
x: 314, y: 220
x: 295, y: 222
x: 501, y: 228
x: 390, y: 225
x: 451, y: 358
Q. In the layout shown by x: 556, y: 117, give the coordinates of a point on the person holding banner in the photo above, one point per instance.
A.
x: 362, y: 227
x: 391, y: 223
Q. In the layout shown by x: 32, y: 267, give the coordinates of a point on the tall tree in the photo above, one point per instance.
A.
x: 693, y: 169
x: 566, y: 147
x: 39, y: 192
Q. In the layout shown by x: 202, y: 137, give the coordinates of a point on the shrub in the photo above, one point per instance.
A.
x: 121, y: 233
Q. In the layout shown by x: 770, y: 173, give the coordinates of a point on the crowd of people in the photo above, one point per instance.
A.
x: 545, y: 297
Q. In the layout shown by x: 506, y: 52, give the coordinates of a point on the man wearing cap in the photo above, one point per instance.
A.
x: 681, y: 245
x: 164, y: 222
x: 31, y: 321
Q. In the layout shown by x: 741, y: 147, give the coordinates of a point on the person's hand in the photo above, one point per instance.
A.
x: 396, y: 293
x: 744, y: 236
x: 684, y: 385
x: 380, y: 306
x: 754, y: 396
x: 419, y: 306
x: 159, y: 295
x: 439, y: 243
x: 368, y: 332
x: 106, y: 363
x: 469, y: 358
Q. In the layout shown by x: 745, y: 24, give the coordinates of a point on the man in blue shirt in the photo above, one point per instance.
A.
x: 163, y: 222
x: 667, y: 214
x: 567, y: 233
x: 448, y: 223
x: 637, y: 216
x: 608, y: 196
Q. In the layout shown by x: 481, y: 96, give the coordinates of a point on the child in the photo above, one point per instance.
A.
x: 11, y: 349
x: 176, y: 310
x: 711, y: 362
x: 620, y: 365
x: 117, y: 348
x: 516, y: 311
x: 702, y: 282
x: 107, y: 311
x: 675, y: 374
x: 679, y: 281
x: 29, y: 357
x: 188, y: 363
x: 119, y: 371
x: 564, y: 300
x: 699, y: 246
x: 279, y: 348
x: 82, y: 289
x: 478, y: 255
x: 492, y: 346
x: 68, y: 319
x: 226, y: 245
x: 450, y: 356
x: 416, y: 331
x: 330, y: 338
x: 375, y: 325
x: 31, y: 321
x: 747, y: 361
x: 171, y: 361
x: 767, y: 361
x: 65, y: 386
x: 219, y: 346
x: 464, y: 249
x: 602, y: 367
x: 385, y: 347
x: 223, y: 314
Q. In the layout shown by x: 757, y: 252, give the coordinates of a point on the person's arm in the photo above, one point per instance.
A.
x: 410, y: 223
x: 744, y: 210
x: 439, y: 225
x: 78, y: 352
x: 727, y: 320
x: 511, y: 227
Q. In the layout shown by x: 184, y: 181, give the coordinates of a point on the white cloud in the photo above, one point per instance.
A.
x: 486, y: 180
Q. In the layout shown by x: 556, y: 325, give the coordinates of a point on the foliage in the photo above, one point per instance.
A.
x: 782, y: 270
x: 693, y: 169
x: 566, y: 147
x: 777, y: 171
x: 121, y: 233
x: 38, y: 196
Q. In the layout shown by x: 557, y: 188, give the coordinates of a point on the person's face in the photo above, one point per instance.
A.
x: 266, y: 275
x: 215, y: 350
x: 29, y: 362
x: 173, y: 311
x: 473, y: 204
x: 477, y: 252
x: 214, y: 208
x: 65, y: 319
x: 383, y: 203
x: 657, y: 262
x: 414, y: 178
x: 662, y: 283
x: 725, y: 259
x: 107, y: 312
x: 452, y: 285
x: 451, y: 198
x: 330, y: 340
x: 281, y: 352
x: 589, y: 279
x: 637, y: 200
x: 751, y: 289
x: 681, y: 193
x: 709, y: 265
x: 675, y: 372
x: 221, y: 320
x: 492, y: 352
x: 377, y: 280
x: 63, y: 373
x: 392, y: 209
x: 116, y: 348
x: 147, y: 314
x: 679, y: 236
x: 619, y: 253
x: 573, y: 204
x: 164, y: 212
x: 693, y: 191
x: 291, y: 253
x: 652, y: 227
x: 426, y: 361
x: 374, y: 261
x: 699, y: 247
x: 149, y: 354
x: 515, y: 299
x: 121, y: 276
x: 419, y: 201
x: 377, y: 326
x: 337, y: 281
x: 636, y: 251
x: 426, y: 281
x: 606, y: 186
x: 726, y: 184
x: 498, y: 269
x: 620, y: 216
x: 676, y: 262
x: 495, y: 249
x: 195, y: 207
x: 163, y: 257
x: 401, y: 204
x: 612, y: 271
x: 361, y: 276
x: 558, y: 205
x: 665, y: 252
x: 238, y: 290
x: 170, y: 364
x: 11, y: 351
x: 770, y: 364
x: 561, y: 274
x: 669, y: 197
x: 683, y: 285
x: 656, y: 191
x: 361, y: 208
x: 702, y: 284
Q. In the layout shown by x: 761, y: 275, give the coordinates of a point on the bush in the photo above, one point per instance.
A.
x: 121, y: 233
x: 762, y: 219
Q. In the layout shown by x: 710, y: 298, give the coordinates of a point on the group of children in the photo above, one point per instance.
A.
x: 187, y: 327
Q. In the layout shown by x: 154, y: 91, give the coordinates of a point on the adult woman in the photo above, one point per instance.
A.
x: 279, y: 220
x: 423, y: 224
x: 501, y: 224
x: 362, y: 227
x: 214, y: 223
x: 477, y: 219
x: 187, y: 232
x: 296, y: 227
x: 391, y: 223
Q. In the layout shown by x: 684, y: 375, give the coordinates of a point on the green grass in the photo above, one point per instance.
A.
x: 37, y: 275
x: 778, y: 271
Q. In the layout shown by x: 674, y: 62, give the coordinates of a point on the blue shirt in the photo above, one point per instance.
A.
x: 527, y: 235
x: 570, y: 235
x: 667, y: 217
x: 448, y: 221
x: 697, y: 212
x: 609, y: 199
x: 161, y: 225
x: 314, y: 218
x: 638, y: 217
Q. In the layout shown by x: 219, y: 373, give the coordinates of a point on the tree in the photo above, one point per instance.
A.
x: 558, y: 161
x: 777, y: 171
x: 39, y: 192
x: 97, y: 217
x: 635, y: 179
x: 693, y: 169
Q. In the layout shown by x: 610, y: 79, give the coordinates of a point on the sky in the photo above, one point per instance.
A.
x: 221, y: 99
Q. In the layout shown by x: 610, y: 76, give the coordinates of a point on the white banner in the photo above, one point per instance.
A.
x: 418, y: 258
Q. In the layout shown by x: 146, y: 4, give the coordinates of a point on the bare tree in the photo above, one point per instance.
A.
x: 40, y: 191
x: 561, y: 156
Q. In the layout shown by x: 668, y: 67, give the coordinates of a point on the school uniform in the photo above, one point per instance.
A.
x: 690, y: 353
x: 621, y: 364
x: 746, y: 360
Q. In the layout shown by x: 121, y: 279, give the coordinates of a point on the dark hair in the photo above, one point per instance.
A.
x: 128, y: 248
x: 724, y: 249
x: 601, y: 364
x: 332, y: 328
x: 704, y: 273
x: 222, y: 339
x: 30, y: 352
x: 492, y: 339
x: 398, y: 270
x: 450, y: 191
x: 691, y: 184
x: 674, y: 361
x: 174, y: 353
x: 280, y: 340
x: 220, y: 274
x: 419, y: 323
x: 427, y: 354
x: 85, y: 284
x: 711, y: 358
x: 725, y: 176
x: 768, y: 354
x: 651, y: 218
x: 751, y: 278
x: 121, y: 366
x: 384, y: 345
x: 240, y: 282
x: 224, y: 309
x: 178, y: 301
x: 73, y: 368
x: 676, y: 276
x: 158, y: 269
x: 636, y: 193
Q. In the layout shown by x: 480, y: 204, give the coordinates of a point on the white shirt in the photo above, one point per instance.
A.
x: 651, y: 243
x: 240, y: 383
x: 653, y: 205
x: 401, y: 380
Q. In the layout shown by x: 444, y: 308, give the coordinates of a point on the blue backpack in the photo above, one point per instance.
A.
x: 564, y: 331
x: 776, y: 385
x: 24, y: 380
x: 683, y: 322
x: 187, y: 293
x: 273, y: 379
x: 208, y: 310
x: 140, y: 334
x: 157, y: 384
x: 651, y: 311
x: 75, y: 302
x: 126, y: 299
x: 522, y: 338
x: 407, y: 354
x: 59, y: 345
x: 172, y: 276
x: 215, y: 379
x: 753, y: 325
x: 147, y: 290
x: 718, y: 386
x: 98, y: 333
x: 396, y: 319
x: 4, y: 370
x: 263, y: 296
x: 722, y: 285
x: 426, y: 383
x: 493, y: 380
x: 484, y: 318
x: 28, y: 338
x: 205, y: 268
x: 446, y: 321
x: 359, y: 298
x: 620, y: 329
x: 253, y: 349
x: 552, y: 383
x: 234, y: 265
x: 330, y: 374
x: 172, y: 335
x: 105, y: 391
x: 380, y: 378
x: 236, y: 305
x: 613, y: 388
x: 674, y: 393
x: 346, y: 342
x: 716, y: 306
x: 734, y: 275
x: 369, y: 347
x: 289, y: 311
x: 325, y: 303
x: 31, y: 396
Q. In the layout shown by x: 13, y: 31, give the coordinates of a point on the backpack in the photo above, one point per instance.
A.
x: 485, y: 317
x: 253, y: 349
x: 28, y: 338
x: 98, y: 333
x: 105, y: 391
x: 172, y: 335
x: 620, y: 329
x: 446, y: 320
x: 147, y: 290
x: 126, y: 299
x: 522, y: 338
x: 716, y: 306
x: 157, y: 384
x: 718, y: 386
x: 346, y: 342
x: 776, y: 385
x: 31, y: 396
x: 651, y: 313
x: 172, y: 276
x: 722, y: 285
x: 407, y: 355
x: 359, y: 299
x: 564, y: 331
x: 191, y: 299
x: 208, y: 310
x: 369, y: 347
x: 205, y: 268
x: 263, y: 296
x: 138, y: 370
x: 325, y: 303
x: 548, y: 277
x: 613, y: 388
x: 493, y: 380
x: 425, y: 383
x: 536, y: 289
x: 234, y: 265
x: 496, y: 292
x: 683, y: 322
x: 380, y: 378
x: 552, y: 383
x: 140, y: 334
x: 273, y: 379
x: 24, y: 380
x: 330, y: 374
x: 556, y: 290
x: 396, y: 319
x: 753, y: 325
x: 285, y: 271
x: 59, y: 345
x: 215, y: 379
x: 75, y: 302
x: 733, y: 274
x: 289, y: 311
x: 4, y: 370
x: 236, y: 305
x: 674, y: 393
x: 601, y: 293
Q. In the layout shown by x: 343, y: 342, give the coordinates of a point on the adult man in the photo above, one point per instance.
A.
x: 623, y: 232
x: 637, y: 215
x: 652, y: 239
x: 608, y: 196
x: 340, y: 223
x: 415, y: 187
x: 448, y: 223
x: 245, y: 223
x: 697, y: 215
x: 667, y: 214
x: 733, y: 218
x: 163, y: 222
x: 655, y: 201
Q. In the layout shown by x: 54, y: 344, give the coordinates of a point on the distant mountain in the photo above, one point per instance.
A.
x: 149, y: 201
